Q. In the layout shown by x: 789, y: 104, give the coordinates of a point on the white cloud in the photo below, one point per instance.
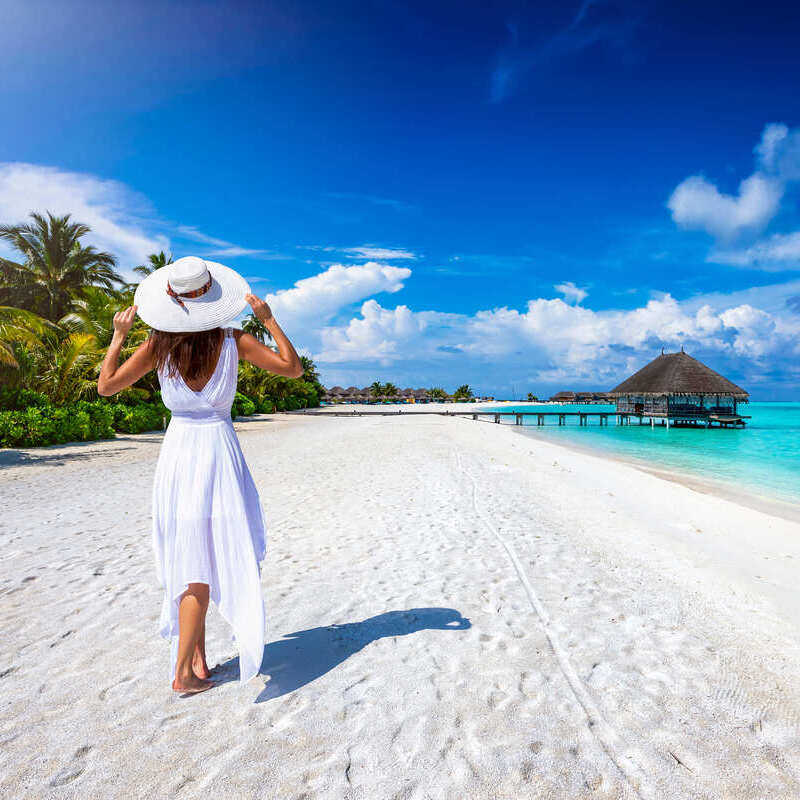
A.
x: 698, y: 204
x: 320, y: 297
x: 753, y: 329
x: 781, y: 251
x: 779, y: 151
x: 371, y: 252
x: 379, y: 253
x: 735, y: 221
x: 380, y: 334
x: 224, y: 249
x: 119, y: 218
x: 122, y: 222
x: 572, y: 293
x: 554, y: 340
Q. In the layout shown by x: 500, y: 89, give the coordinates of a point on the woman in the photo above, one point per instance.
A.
x: 208, y: 531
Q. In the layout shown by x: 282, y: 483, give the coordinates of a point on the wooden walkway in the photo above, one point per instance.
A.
x: 622, y: 418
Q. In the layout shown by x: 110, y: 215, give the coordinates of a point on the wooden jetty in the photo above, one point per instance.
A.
x: 621, y: 418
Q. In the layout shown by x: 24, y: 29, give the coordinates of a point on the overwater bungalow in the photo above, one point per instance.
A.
x: 679, y: 389
x: 334, y: 394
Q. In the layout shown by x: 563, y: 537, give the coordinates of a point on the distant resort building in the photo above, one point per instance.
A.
x: 580, y: 397
x: 352, y: 394
x: 677, y: 388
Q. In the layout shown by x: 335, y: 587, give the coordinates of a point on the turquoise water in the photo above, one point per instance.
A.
x: 763, y: 458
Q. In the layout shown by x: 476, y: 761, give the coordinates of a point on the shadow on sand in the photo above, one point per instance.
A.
x: 59, y: 454
x: 302, y: 657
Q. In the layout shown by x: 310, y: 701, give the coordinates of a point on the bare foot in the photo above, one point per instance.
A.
x: 191, y: 685
x: 199, y: 665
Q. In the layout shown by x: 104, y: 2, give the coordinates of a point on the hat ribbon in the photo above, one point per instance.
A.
x: 194, y: 293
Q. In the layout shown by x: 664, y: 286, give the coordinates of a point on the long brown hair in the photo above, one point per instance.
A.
x: 193, y: 356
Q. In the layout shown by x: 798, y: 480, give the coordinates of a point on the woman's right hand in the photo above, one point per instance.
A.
x: 123, y: 320
x: 262, y: 311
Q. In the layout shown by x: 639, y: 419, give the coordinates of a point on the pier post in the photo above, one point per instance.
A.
x: 518, y: 419
x: 652, y: 422
x: 474, y: 416
x: 540, y: 419
x: 497, y: 418
x: 561, y: 419
x: 667, y: 423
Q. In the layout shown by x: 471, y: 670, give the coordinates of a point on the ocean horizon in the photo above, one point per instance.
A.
x: 761, y: 459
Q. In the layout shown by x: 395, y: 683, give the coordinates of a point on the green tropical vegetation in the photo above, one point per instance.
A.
x: 255, y: 327
x: 388, y: 392
x: 57, y: 303
x: 463, y: 393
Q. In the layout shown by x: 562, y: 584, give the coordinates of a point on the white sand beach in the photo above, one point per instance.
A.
x: 454, y: 610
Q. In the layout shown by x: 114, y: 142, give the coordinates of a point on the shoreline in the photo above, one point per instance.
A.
x: 766, y: 504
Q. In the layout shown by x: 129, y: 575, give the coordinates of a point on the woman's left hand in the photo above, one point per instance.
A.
x: 123, y: 320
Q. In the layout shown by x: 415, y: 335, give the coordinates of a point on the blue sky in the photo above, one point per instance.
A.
x: 525, y: 197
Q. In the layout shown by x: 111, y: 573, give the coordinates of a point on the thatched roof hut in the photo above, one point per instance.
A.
x: 676, y: 375
x: 678, y: 387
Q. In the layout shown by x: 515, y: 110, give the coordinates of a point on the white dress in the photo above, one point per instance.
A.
x: 207, y: 520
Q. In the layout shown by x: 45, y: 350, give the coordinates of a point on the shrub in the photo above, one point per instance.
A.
x: 264, y: 405
x: 37, y: 426
x: 17, y: 399
x: 243, y: 406
x: 137, y: 418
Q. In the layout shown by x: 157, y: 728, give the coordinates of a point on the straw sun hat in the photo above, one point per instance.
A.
x: 191, y: 295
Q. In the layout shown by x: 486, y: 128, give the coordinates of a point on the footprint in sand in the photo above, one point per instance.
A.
x: 74, y: 769
x: 104, y: 693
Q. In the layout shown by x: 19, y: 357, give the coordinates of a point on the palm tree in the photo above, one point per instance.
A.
x: 390, y: 390
x: 93, y: 313
x: 437, y: 393
x: 255, y: 327
x: 18, y: 326
x: 463, y: 392
x: 56, y: 266
x: 532, y: 398
x: 376, y: 390
x: 66, y: 367
x: 155, y: 261
x: 310, y: 374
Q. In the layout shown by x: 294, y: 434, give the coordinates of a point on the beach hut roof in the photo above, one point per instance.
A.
x: 353, y: 390
x: 678, y: 374
x: 336, y: 390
